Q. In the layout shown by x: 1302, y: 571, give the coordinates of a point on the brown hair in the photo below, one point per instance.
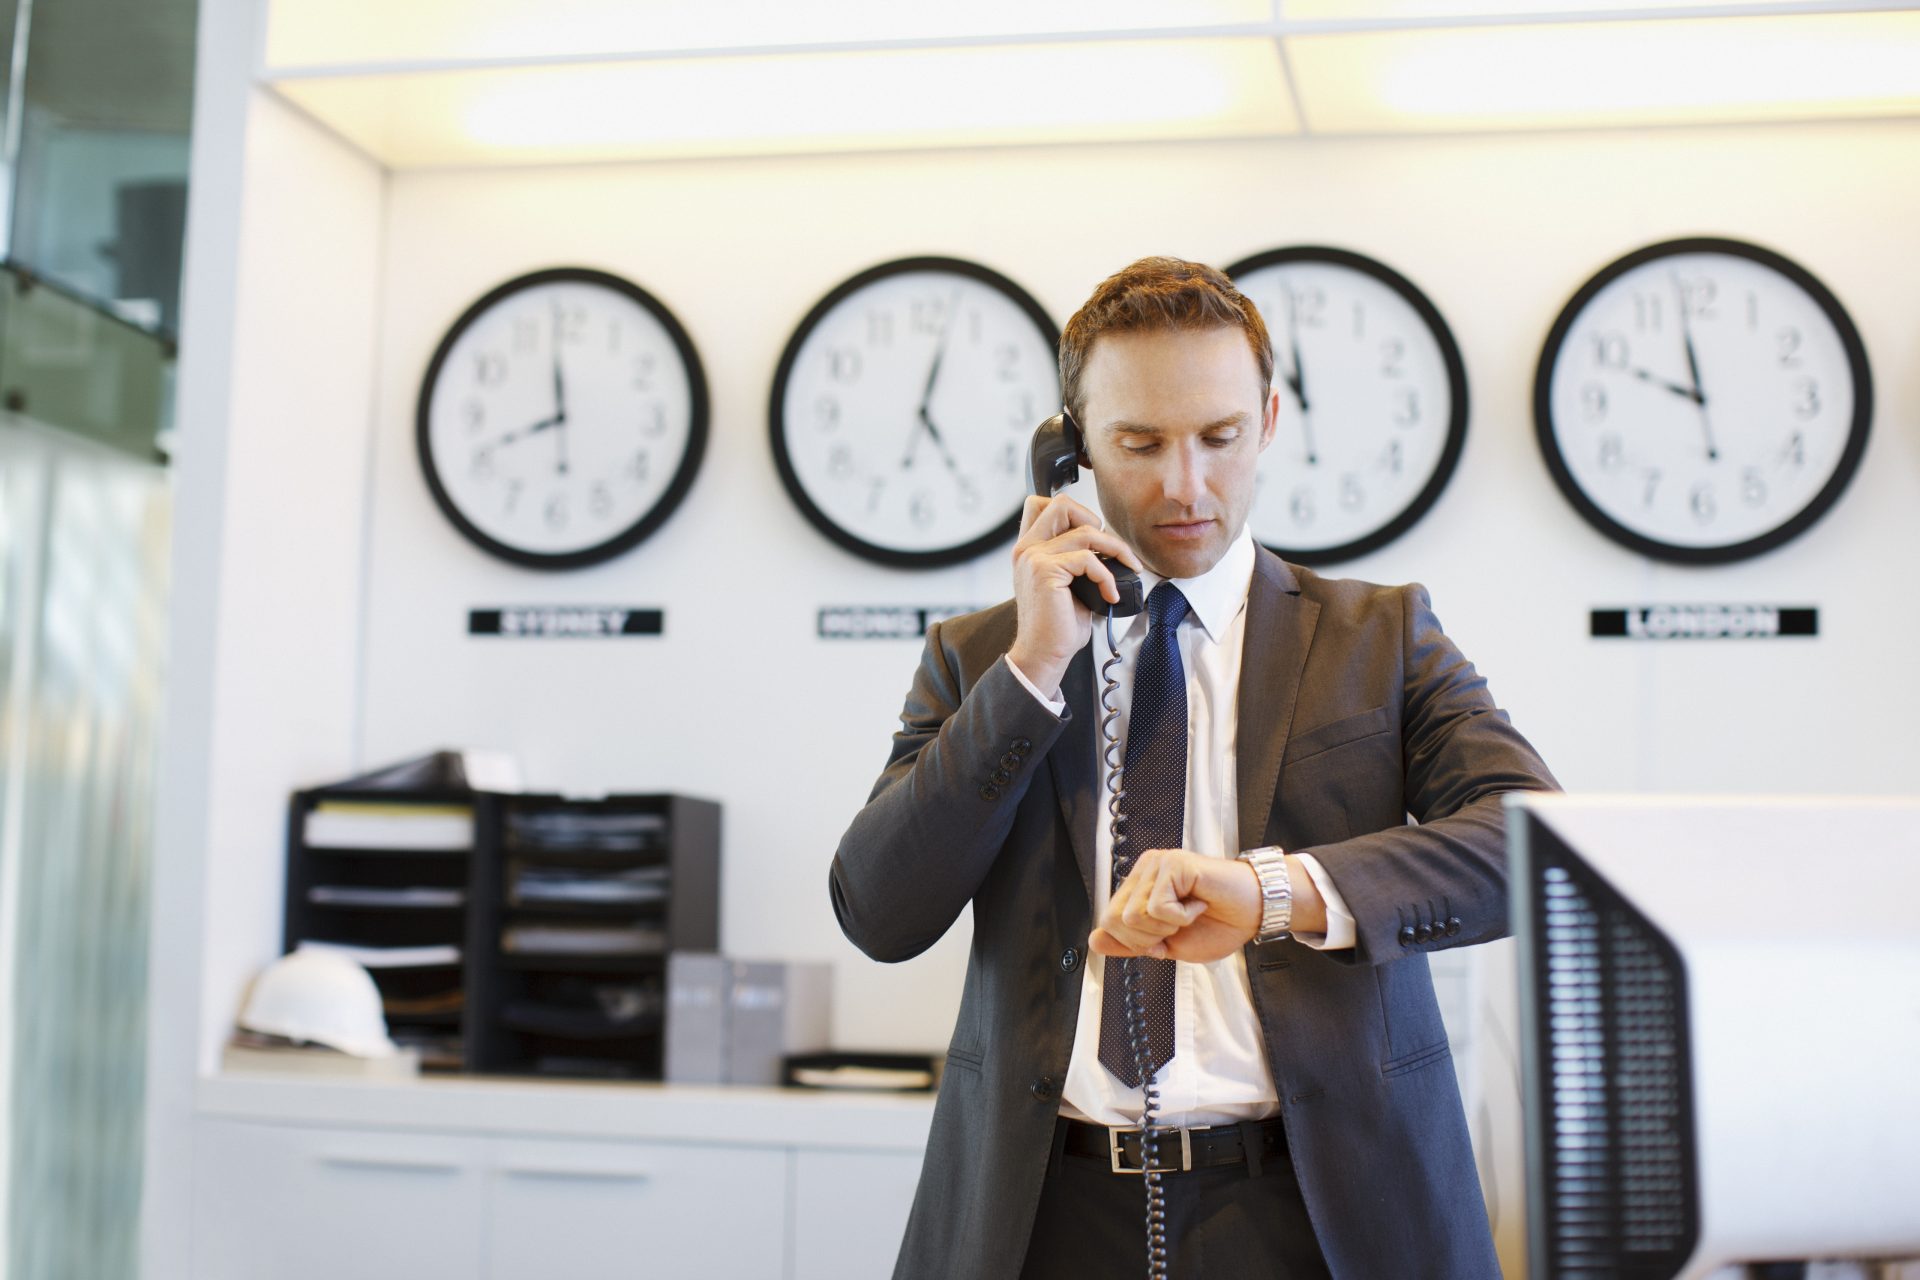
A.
x: 1156, y: 295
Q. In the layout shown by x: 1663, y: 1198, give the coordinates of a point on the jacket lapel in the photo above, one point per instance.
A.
x: 1280, y: 623
x: 1075, y: 775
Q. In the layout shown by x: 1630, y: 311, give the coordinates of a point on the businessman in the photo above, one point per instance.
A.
x: 1279, y: 728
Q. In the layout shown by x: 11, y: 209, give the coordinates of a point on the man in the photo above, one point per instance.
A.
x: 1263, y: 708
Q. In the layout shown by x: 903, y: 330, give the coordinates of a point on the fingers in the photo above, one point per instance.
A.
x: 1060, y: 524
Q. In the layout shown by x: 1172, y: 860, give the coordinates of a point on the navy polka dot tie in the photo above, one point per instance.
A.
x: 1154, y: 778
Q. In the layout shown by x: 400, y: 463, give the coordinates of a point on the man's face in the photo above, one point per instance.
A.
x: 1175, y: 422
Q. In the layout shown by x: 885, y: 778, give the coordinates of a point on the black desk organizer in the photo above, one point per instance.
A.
x: 642, y: 879
x: 525, y: 1011
x: 431, y: 994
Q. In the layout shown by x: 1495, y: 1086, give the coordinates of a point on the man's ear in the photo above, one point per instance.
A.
x: 1269, y: 417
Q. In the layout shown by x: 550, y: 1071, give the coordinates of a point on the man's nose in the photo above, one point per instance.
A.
x: 1183, y: 479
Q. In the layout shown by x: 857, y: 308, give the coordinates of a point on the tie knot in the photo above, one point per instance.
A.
x: 1166, y: 607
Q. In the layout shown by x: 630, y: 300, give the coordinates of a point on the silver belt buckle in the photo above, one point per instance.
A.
x: 1114, y: 1135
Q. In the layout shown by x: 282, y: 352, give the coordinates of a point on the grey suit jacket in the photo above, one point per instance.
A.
x: 1355, y: 711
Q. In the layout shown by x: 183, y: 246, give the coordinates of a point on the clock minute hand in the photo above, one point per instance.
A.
x: 1693, y: 369
x: 1297, y: 382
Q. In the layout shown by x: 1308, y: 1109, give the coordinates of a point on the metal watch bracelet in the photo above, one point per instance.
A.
x: 1276, y: 892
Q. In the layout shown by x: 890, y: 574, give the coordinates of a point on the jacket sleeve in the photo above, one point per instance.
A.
x: 961, y: 761
x: 1441, y: 882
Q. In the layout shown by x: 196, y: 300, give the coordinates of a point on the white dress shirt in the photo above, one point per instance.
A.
x: 1219, y: 1072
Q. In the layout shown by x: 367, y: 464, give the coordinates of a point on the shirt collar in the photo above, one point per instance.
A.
x: 1218, y: 595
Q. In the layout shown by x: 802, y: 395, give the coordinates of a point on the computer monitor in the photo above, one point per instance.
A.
x: 1720, y: 1030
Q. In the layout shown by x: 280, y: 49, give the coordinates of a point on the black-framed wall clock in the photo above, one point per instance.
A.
x: 1702, y: 400
x: 562, y: 418
x: 1373, y: 402
x: 903, y: 406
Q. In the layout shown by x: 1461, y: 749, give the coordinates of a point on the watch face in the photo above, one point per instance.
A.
x: 1373, y: 403
x: 1702, y: 400
x: 903, y: 408
x: 562, y: 418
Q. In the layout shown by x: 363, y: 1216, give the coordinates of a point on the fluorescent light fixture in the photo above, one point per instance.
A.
x: 307, y: 33
x: 807, y: 102
x: 1674, y: 71
x: 1427, y: 10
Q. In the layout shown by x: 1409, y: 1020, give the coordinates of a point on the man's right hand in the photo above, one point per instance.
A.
x: 1059, y: 541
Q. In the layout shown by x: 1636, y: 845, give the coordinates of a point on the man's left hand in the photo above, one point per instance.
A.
x: 1181, y: 905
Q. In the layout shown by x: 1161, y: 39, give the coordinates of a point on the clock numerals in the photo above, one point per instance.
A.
x: 1310, y: 308
x: 474, y: 414
x: 511, y: 498
x: 1406, y: 408
x: 1300, y: 507
x: 1392, y: 352
x: 1796, y: 451
x: 489, y: 369
x: 843, y: 364
x: 482, y: 467
x: 1788, y: 341
x: 1395, y: 457
x: 840, y: 461
x: 600, y: 501
x: 1753, y: 487
x: 653, y: 420
x: 1806, y: 398
x: 569, y: 324
x: 1612, y: 451
x: 927, y: 316
x: 556, y: 511
x: 1651, y: 479
x: 920, y: 508
x: 1010, y: 459
x: 1647, y: 311
x: 1006, y: 362
x: 1352, y: 496
x: 1610, y: 350
x: 641, y: 368
x: 826, y: 412
x: 526, y: 335
x: 1697, y: 295
x: 1593, y: 401
x: 879, y: 328
x: 1020, y: 410
x: 875, y: 487
x: 639, y: 467
x: 1701, y: 502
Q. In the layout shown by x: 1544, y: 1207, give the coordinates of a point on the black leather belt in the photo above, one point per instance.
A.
x: 1178, y: 1150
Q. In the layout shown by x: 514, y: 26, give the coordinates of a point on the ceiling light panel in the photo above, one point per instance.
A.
x: 1134, y: 90
x: 1674, y: 71
x: 340, y: 33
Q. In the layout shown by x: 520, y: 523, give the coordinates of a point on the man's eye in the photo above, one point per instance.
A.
x: 1222, y: 441
x: 1140, y: 448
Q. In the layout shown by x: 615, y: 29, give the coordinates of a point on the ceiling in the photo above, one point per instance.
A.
x: 483, y: 82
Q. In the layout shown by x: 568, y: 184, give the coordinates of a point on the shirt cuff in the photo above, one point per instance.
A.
x: 1055, y: 705
x: 1341, y: 932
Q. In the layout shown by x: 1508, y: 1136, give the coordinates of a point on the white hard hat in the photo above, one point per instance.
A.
x: 320, y: 995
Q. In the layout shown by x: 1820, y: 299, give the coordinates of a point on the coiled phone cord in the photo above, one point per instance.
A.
x: 1133, y: 981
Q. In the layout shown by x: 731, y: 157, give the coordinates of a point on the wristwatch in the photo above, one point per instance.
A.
x: 1276, y: 892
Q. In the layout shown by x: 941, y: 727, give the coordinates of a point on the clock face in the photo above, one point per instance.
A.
x: 1373, y: 403
x: 904, y: 405
x: 562, y: 418
x: 1702, y: 400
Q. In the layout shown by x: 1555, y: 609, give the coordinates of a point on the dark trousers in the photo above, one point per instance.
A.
x: 1223, y: 1223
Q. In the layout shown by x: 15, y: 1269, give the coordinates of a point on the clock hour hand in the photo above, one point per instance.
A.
x: 523, y: 433
x: 559, y: 398
x: 926, y: 396
x: 1685, y: 393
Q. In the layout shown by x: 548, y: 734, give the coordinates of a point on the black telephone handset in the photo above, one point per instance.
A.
x: 1057, y: 452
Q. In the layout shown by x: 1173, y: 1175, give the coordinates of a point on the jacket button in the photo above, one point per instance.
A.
x: 1069, y: 960
x: 1423, y: 934
x: 1406, y: 935
x: 1043, y: 1088
x: 1002, y: 777
x: 1022, y: 745
x: 1453, y: 925
x: 989, y: 792
x: 1010, y: 761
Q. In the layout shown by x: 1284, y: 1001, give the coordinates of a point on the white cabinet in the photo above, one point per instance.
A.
x: 849, y: 1212
x: 322, y: 1204
x: 320, y: 1201
x: 619, y: 1210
